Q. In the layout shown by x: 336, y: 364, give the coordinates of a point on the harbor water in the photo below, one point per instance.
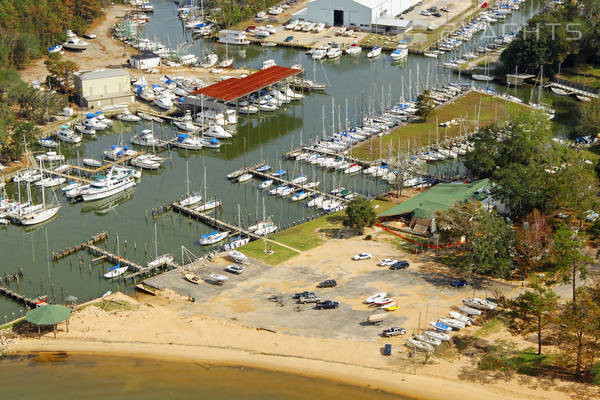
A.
x: 356, y: 81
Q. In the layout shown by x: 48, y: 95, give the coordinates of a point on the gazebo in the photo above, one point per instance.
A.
x: 51, y: 314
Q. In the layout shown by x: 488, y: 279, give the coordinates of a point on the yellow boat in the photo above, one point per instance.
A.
x: 392, y: 308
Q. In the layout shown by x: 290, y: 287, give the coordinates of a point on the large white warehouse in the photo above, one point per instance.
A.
x: 364, y: 14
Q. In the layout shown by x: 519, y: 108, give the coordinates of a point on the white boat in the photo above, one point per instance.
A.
x: 438, y: 335
x: 161, y: 260
x: 115, y: 271
x: 127, y: 116
x: 226, y: 63
x: 316, y: 201
x: 461, y: 317
x: 265, y: 184
x: 469, y: 310
x: 86, y: 130
x: 66, y: 134
x: 76, y: 192
x: 228, y: 36
x: 94, y: 123
x: 559, y: 91
x: 209, y: 205
x: 318, y: 54
x: 211, y: 143
x: 50, y: 156
x: 353, y: 169
x: 440, y: 326
x: 212, y: 238
x: 210, y: 60
x: 375, y: 52
x: 334, y: 52
x: 234, y: 244
x: 90, y: 162
x: 145, y: 138
x: 115, y: 152
x: 50, y: 182
x: 300, y: 196
x: 399, y: 54
x: 115, y: 181
x: 37, y: 216
x: 481, y: 77
x: 238, y: 257
x: 422, y: 346
x: 244, y: 178
x: 430, y: 54
x: 354, y: 49
x: 299, y: 179
x: 163, y: 101
x: 428, y: 340
x: 481, y: 304
x: 146, y: 161
x: 217, y: 131
x: 375, y: 297
x: 185, y: 141
x: 286, y: 191
x: 218, y: 279
x: 264, y: 228
x: 73, y: 43
x: 47, y: 142
x: 451, y: 322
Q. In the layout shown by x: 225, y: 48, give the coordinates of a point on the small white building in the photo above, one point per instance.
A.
x: 233, y: 37
x: 145, y: 60
x: 367, y: 15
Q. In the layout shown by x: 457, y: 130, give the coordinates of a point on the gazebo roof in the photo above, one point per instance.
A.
x: 50, y: 314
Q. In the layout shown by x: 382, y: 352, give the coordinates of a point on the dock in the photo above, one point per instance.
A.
x: 91, y: 241
x: 95, y: 171
x: 111, y: 257
x: 310, y: 149
x: 26, y: 301
x: 212, y: 221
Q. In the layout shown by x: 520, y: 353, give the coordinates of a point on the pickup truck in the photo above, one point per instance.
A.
x: 311, y: 298
x: 327, y: 304
x: 305, y: 293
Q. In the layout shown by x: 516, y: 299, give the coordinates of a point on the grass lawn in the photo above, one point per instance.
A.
x: 529, y: 363
x: 584, y: 74
x: 256, y: 249
x: 424, y: 133
x: 491, y: 326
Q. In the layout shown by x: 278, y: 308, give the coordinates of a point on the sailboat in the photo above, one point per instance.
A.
x: 213, y: 237
x: 264, y: 227
x: 191, y: 198
x: 35, y: 214
x: 162, y: 260
x: 209, y: 205
x: 227, y: 62
x: 115, y: 271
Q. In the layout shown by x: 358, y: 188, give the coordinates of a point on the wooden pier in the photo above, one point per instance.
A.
x: 91, y: 241
x: 26, y: 301
x: 151, y: 270
x: 111, y: 257
x: 211, y: 221
x: 106, y: 166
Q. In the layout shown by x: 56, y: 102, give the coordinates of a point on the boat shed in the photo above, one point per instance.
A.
x: 233, y: 89
x: 105, y: 87
x: 420, y: 210
x: 146, y: 59
x: 363, y: 14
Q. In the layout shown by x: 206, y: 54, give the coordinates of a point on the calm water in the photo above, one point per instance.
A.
x: 82, y: 377
x: 351, y: 79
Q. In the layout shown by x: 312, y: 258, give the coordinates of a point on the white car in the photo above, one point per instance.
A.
x: 386, y: 262
x: 234, y: 269
x: 362, y: 256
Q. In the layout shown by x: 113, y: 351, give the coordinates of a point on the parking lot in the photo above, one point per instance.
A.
x: 421, y: 291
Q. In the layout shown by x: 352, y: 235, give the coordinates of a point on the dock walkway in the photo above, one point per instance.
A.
x: 91, y: 241
x: 111, y: 257
x: 26, y: 301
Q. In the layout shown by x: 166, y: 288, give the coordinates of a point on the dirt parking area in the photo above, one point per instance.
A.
x: 456, y: 8
x: 422, y: 291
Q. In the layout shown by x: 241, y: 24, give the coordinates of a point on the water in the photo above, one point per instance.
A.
x: 85, y: 377
x: 350, y: 79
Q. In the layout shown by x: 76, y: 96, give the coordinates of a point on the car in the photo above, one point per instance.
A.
x: 303, y: 294
x: 362, y: 256
x: 327, y: 305
x: 437, y: 14
x: 459, y: 283
x: 250, y: 28
x: 327, y: 283
x: 394, y: 331
x: 312, y: 298
x: 399, y: 265
x: 387, y: 349
x: 289, y: 39
x: 234, y: 269
x: 445, y: 9
x: 386, y: 262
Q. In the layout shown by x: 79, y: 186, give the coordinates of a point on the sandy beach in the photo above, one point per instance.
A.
x: 170, y: 327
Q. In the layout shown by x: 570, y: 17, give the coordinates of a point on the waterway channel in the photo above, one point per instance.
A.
x: 350, y: 79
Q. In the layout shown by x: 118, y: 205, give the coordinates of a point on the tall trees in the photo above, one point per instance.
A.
x: 531, y: 311
x: 425, y: 105
x: 360, y: 214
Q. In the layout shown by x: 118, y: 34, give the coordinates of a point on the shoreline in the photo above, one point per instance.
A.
x: 398, y: 383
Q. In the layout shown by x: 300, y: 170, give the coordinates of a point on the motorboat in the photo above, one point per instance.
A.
x: 217, y: 131
x: 383, y: 301
x: 161, y: 260
x: 115, y: 152
x: 75, y: 192
x: 481, y: 77
x: 114, y: 182
x: 163, y: 101
x: 353, y: 169
x: 73, y: 43
x: 66, y: 134
x: 375, y: 297
x: 90, y: 162
x: 354, y: 49
x: 146, y: 161
x: 218, y: 279
x: 92, y: 122
x: 127, y: 116
x: 238, y: 257
x: 145, y: 138
x: 399, y: 54
x: 334, y: 52
x: 86, y: 130
x: 50, y: 156
x: 212, y: 238
x: 244, y: 178
x: 48, y: 143
x: 211, y: 143
x: 235, y: 243
x: 300, y: 196
x: 318, y: 54
x: 185, y: 141
x: 51, y: 182
x: 266, y: 184
x: 209, y: 205
x: 115, y: 271
x: 375, y: 52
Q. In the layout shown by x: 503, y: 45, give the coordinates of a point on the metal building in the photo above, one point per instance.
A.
x: 96, y: 89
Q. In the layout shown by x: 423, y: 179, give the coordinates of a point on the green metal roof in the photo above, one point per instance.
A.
x: 48, y: 315
x: 438, y: 198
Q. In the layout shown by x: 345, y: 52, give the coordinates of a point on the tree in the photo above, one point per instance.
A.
x: 500, y: 357
x: 425, y: 105
x: 60, y: 72
x: 532, y: 239
x: 531, y: 311
x: 588, y: 117
x: 567, y: 257
x: 488, y: 239
x: 360, y: 214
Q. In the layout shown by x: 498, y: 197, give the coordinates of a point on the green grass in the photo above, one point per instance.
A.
x: 424, y: 132
x: 529, y: 363
x: 305, y: 236
x: 280, y: 254
x: 585, y: 74
x: 492, y: 326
